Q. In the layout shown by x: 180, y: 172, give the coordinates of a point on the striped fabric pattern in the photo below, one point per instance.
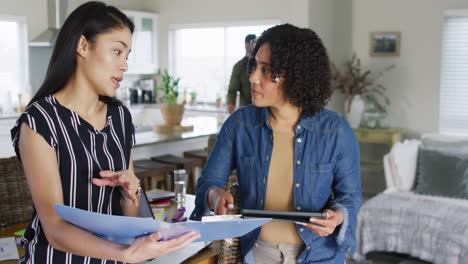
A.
x: 82, y: 151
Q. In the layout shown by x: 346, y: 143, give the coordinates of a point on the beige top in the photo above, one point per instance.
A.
x: 279, y: 194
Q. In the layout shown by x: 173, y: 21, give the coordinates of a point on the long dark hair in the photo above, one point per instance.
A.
x: 88, y: 20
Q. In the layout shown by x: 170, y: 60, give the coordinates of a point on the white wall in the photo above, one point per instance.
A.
x: 413, y: 86
x: 35, y: 13
x: 331, y: 20
x: 214, y: 11
x: 36, y: 16
x: 344, y: 26
x: 141, y: 5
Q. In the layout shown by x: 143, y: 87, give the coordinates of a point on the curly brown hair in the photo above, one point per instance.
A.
x: 299, y: 56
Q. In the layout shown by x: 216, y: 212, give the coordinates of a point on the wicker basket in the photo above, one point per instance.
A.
x: 230, y: 248
x: 15, y: 198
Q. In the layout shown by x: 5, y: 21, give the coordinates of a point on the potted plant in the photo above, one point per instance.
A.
x: 358, y: 85
x: 193, y: 98
x: 219, y: 100
x: 172, y: 111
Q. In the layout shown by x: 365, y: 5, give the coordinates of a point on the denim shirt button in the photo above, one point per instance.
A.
x: 300, y: 260
x: 298, y: 208
x: 301, y: 230
x: 298, y: 185
x: 299, y: 140
x: 299, y: 127
x: 308, y: 248
x: 298, y: 162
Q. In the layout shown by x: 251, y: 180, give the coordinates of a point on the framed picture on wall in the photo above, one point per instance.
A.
x: 385, y: 43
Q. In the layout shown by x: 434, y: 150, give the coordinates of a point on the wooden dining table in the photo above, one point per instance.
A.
x: 9, y: 232
x: 207, y: 255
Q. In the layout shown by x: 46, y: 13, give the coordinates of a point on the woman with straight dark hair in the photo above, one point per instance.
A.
x: 74, y: 141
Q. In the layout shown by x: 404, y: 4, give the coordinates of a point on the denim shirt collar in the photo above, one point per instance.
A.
x: 307, y: 122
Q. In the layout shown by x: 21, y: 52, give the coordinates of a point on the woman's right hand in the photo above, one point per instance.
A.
x: 220, y: 201
x: 150, y: 246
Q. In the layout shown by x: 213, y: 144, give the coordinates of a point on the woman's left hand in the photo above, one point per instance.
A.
x: 124, y: 178
x: 326, y: 227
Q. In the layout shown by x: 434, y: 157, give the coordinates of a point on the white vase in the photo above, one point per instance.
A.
x: 354, y: 115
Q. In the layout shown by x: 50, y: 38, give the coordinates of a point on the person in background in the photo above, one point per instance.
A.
x: 74, y: 141
x: 290, y: 153
x: 239, y: 81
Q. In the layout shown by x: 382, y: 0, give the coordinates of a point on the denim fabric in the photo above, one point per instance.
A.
x: 326, y: 175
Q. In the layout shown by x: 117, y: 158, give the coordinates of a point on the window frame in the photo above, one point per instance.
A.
x: 25, y: 88
x: 444, y: 124
x: 226, y: 24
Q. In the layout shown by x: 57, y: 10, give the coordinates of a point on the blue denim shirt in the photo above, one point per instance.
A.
x: 326, y: 175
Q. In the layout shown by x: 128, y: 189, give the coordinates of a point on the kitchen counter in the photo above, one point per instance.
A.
x: 209, y: 108
x: 13, y: 115
x: 203, y: 108
x: 148, y: 142
x: 202, y: 126
x: 197, y: 252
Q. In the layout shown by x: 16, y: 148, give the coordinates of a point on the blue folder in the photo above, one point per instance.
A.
x: 124, y: 229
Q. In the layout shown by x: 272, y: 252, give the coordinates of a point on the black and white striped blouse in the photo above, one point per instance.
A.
x: 82, y: 151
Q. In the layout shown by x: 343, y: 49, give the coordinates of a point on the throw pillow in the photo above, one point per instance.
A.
x: 442, y: 174
x: 404, y: 159
x: 448, y: 144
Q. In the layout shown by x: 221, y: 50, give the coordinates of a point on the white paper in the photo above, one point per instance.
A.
x: 8, y: 248
x: 215, y: 218
x: 124, y: 229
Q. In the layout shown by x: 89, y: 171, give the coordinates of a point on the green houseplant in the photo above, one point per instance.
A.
x: 193, y: 97
x: 172, y: 111
x: 169, y: 86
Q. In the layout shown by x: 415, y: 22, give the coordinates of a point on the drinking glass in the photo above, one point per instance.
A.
x: 180, y: 185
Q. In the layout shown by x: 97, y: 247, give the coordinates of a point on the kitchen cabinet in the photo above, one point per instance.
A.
x: 144, y: 56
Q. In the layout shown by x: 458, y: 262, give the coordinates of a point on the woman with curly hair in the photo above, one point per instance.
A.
x: 290, y: 154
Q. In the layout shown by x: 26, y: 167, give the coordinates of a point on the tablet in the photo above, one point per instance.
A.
x: 283, y: 215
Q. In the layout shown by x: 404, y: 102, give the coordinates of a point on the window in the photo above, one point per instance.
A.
x: 14, y: 78
x: 203, y: 56
x: 454, y: 75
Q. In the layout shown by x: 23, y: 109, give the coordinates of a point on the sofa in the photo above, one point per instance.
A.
x: 424, y: 210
